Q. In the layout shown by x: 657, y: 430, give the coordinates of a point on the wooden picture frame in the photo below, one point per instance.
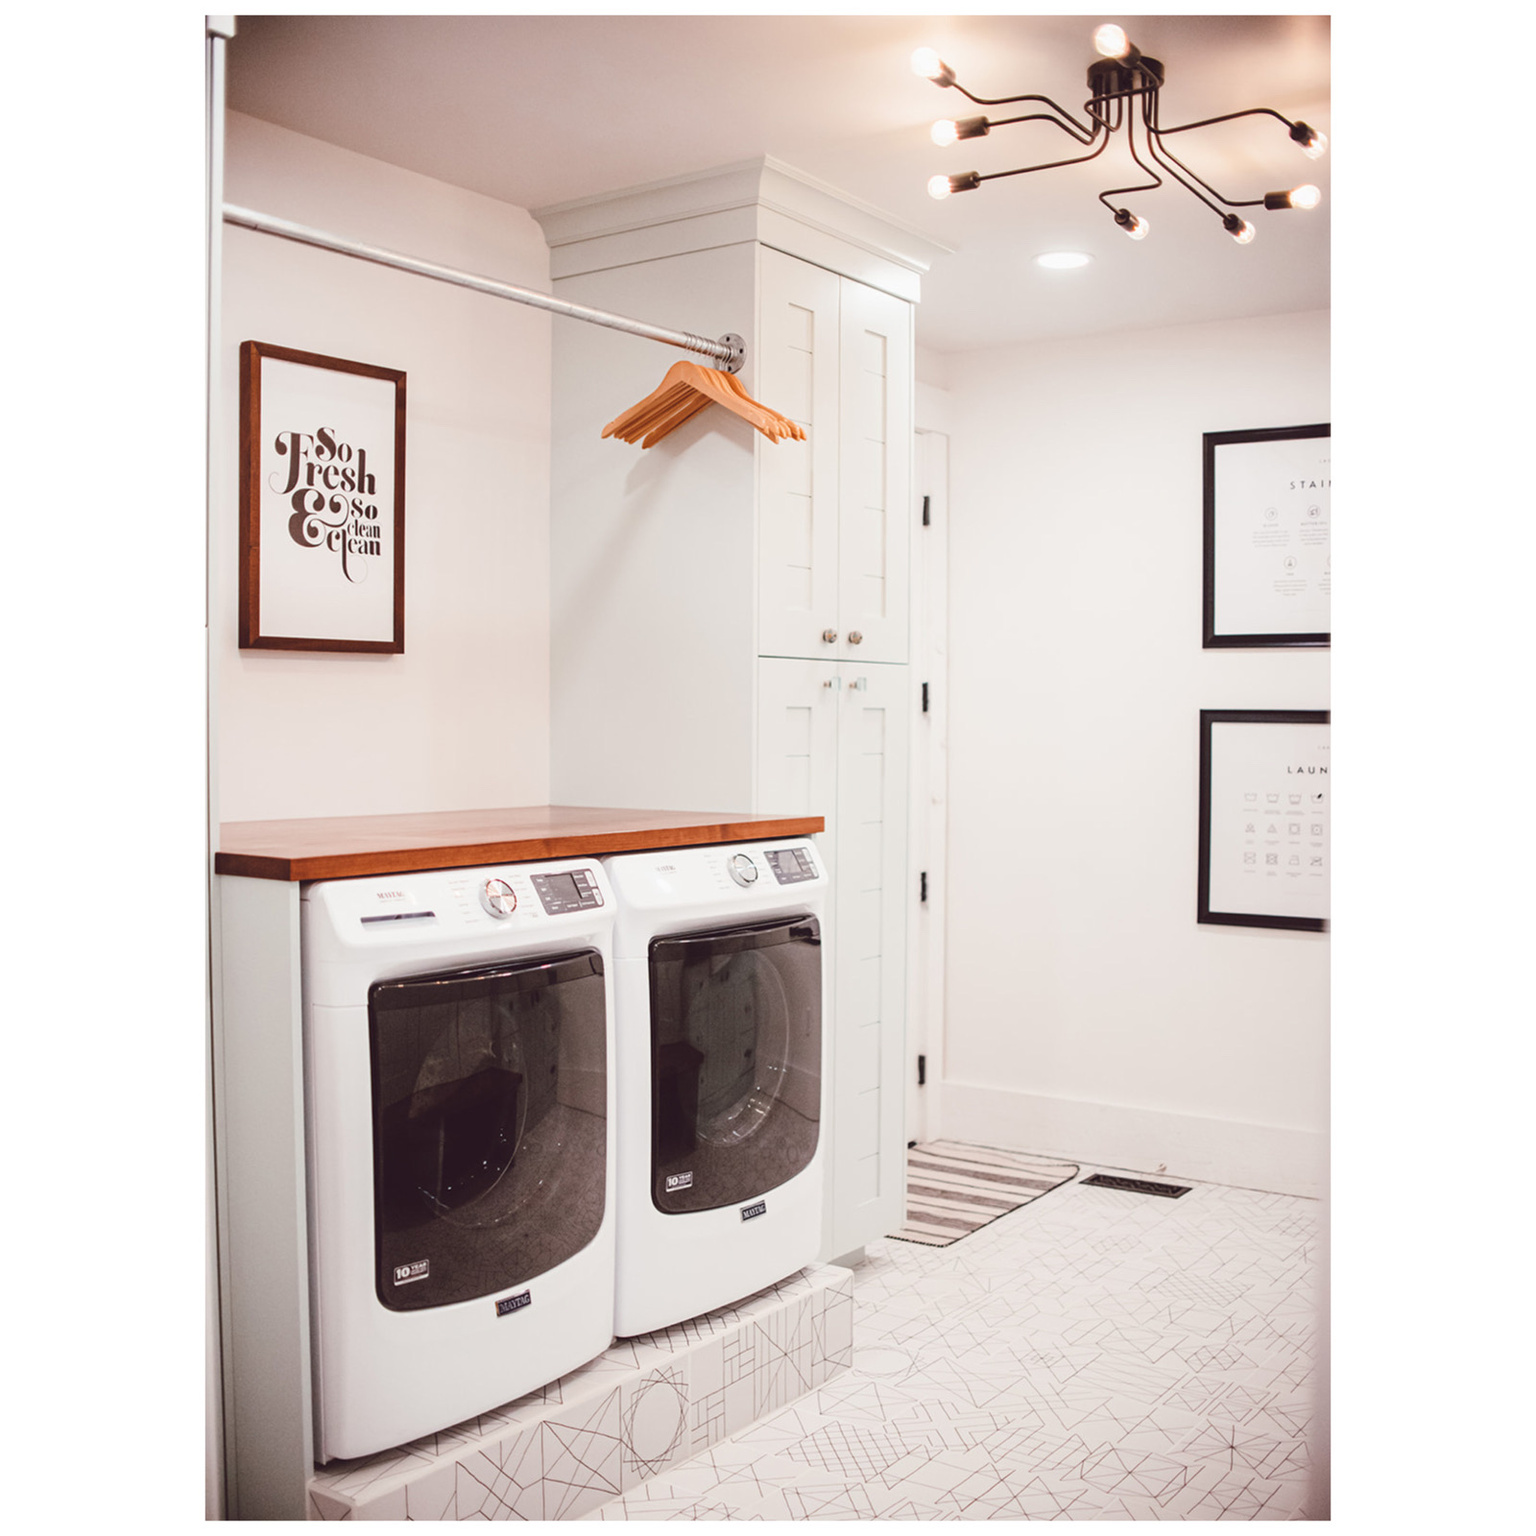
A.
x: 1267, y: 576
x: 322, y: 502
x: 1265, y: 816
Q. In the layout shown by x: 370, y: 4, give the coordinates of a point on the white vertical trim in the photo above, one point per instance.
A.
x: 219, y: 28
x: 259, y: 1085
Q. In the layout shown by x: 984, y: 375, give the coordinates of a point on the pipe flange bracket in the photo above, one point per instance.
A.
x: 738, y: 347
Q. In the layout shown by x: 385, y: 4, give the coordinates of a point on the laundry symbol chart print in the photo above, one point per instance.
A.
x: 322, y: 502
x: 1269, y: 870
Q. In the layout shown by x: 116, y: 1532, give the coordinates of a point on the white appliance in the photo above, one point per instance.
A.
x: 720, y: 998
x: 459, y: 1096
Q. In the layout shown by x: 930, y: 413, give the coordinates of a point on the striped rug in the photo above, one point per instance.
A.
x: 953, y: 1189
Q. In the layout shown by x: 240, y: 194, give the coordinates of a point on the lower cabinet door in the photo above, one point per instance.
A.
x: 868, y: 1180
x: 833, y: 742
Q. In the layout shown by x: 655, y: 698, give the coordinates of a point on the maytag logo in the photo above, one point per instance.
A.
x: 390, y: 895
x: 406, y: 1273
x: 514, y: 1303
x: 749, y: 1211
x: 679, y: 1181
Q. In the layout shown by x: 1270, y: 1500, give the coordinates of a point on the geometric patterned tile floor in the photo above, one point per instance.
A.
x: 1094, y: 1355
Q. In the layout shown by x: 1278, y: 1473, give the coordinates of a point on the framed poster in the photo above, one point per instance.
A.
x: 1266, y: 800
x: 1268, y: 563
x: 322, y: 502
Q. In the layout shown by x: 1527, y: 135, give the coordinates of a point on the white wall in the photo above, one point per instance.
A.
x: 1087, y: 1012
x: 462, y: 718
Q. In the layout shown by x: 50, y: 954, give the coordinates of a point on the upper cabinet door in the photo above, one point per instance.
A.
x: 875, y: 483
x: 797, y: 372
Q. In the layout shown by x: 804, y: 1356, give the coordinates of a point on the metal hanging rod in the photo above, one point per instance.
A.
x: 728, y: 351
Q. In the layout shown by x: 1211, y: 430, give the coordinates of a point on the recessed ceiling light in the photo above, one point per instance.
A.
x: 1064, y: 259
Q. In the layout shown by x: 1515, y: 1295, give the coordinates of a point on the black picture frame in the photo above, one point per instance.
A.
x: 1260, y: 918
x: 1210, y: 639
x: 253, y: 633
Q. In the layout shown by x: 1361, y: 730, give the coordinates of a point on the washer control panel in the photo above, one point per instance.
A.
x: 741, y: 869
x: 791, y: 865
x: 568, y: 892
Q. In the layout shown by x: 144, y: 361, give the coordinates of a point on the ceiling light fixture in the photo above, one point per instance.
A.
x: 1063, y: 261
x: 1117, y: 81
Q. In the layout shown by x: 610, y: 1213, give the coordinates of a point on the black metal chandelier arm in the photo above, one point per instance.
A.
x: 1084, y: 137
x: 1188, y: 179
x: 1227, y: 117
x: 1110, y: 122
x: 1050, y: 166
x: 1171, y: 163
x: 1109, y: 192
x: 1130, y: 138
x: 1010, y: 101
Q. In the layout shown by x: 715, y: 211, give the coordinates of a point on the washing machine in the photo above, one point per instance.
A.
x: 720, y: 998
x: 459, y: 1099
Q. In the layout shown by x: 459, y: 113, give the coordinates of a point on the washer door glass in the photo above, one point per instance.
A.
x: 490, y: 1126
x: 735, y: 1062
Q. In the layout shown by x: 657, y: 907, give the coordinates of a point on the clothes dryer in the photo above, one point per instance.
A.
x: 458, y: 1040
x: 720, y: 998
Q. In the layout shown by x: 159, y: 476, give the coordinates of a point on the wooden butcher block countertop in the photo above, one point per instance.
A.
x: 332, y: 847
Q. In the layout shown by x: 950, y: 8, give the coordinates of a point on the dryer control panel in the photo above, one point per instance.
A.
x: 572, y: 891
x: 791, y: 865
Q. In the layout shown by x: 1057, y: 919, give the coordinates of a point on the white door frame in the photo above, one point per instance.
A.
x: 929, y: 801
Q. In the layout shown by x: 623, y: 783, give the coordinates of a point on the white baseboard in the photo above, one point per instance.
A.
x: 1233, y: 1152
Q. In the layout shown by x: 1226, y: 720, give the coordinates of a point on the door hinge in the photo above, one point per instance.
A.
x: 925, y: 512
x: 922, y: 1071
x: 922, y: 886
x: 925, y: 698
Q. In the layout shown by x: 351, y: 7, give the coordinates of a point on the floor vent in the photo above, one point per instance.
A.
x: 1138, y: 1186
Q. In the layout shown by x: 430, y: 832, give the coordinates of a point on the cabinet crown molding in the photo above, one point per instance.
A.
x: 761, y: 199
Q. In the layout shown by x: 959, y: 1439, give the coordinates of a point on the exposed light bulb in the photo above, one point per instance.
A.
x: 1240, y: 229
x: 938, y: 187
x: 1063, y: 261
x: 927, y: 63
x: 1312, y: 142
x: 1305, y: 197
x: 1111, y: 41
x: 1137, y: 228
x: 944, y: 133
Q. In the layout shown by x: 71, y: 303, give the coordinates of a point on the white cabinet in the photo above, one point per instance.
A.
x: 693, y: 582
x: 834, y: 525
x: 832, y: 740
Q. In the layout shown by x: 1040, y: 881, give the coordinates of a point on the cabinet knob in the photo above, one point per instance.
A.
x: 861, y: 683
x: 830, y: 636
x: 854, y: 637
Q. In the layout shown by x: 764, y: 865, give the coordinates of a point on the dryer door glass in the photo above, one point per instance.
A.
x: 735, y: 1062
x: 490, y: 1124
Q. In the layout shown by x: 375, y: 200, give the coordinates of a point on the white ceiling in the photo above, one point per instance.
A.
x: 542, y: 109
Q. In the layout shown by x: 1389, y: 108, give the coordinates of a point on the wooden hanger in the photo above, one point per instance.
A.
x: 684, y: 392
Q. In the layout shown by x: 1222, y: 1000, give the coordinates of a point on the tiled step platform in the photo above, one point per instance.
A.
x: 620, y: 1419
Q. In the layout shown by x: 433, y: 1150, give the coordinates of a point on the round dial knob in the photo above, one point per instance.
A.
x: 498, y: 898
x: 743, y: 871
